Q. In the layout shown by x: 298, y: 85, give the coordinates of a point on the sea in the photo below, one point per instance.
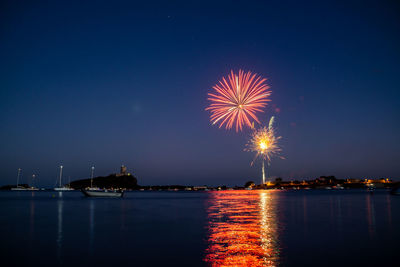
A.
x: 207, y: 228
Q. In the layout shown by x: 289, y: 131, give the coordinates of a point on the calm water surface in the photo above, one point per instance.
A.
x: 231, y: 228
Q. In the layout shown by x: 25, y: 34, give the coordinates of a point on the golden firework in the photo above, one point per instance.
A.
x: 264, y: 143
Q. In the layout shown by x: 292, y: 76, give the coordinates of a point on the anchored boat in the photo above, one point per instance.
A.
x: 19, y: 188
x: 97, y: 192
x: 60, y: 186
x: 91, y: 192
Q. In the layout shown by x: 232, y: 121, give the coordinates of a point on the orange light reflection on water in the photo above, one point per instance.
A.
x: 242, y: 229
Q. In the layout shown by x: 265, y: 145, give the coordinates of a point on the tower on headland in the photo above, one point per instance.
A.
x: 123, y: 171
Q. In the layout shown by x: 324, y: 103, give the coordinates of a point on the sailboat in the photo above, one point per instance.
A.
x: 61, y: 187
x: 97, y: 192
x: 33, y: 188
x: 19, y: 188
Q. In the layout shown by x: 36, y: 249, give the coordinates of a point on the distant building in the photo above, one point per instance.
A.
x: 378, y: 182
x: 123, y: 172
x: 325, y: 180
x: 353, y: 181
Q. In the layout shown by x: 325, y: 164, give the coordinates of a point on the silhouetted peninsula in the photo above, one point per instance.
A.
x: 119, y: 180
x: 111, y: 181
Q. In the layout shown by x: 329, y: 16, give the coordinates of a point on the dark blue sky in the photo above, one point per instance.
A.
x: 125, y: 83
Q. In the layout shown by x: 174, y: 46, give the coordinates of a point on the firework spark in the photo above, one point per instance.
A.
x: 237, y: 100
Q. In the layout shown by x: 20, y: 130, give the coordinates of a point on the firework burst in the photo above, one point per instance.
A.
x: 264, y: 143
x: 237, y: 99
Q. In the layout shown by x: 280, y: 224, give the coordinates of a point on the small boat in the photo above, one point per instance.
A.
x: 32, y: 189
x: 94, y: 192
x: 61, y: 187
x: 338, y: 187
x: 23, y: 188
x: 97, y: 192
x: 19, y: 188
x: 64, y: 188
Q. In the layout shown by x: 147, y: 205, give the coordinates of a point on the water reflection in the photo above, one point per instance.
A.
x: 370, y: 216
x: 339, y: 216
x: 91, y: 225
x: 32, y: 217
x: 305, y: 215
x: 60, y: 205
x: 389, y: 210
x: 242, y: 229
x: 123, y: 214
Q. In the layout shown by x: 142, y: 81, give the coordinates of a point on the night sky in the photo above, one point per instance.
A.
x: 116, y: 83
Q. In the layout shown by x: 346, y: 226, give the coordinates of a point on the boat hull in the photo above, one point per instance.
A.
x: 24, y: 189
x: 114, y: 194
x: 63, y: 189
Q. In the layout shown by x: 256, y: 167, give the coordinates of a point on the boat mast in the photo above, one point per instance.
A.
x: 19, y: 172
x: 91, y: 178
x: 61, y: 168
x: 33, y: 180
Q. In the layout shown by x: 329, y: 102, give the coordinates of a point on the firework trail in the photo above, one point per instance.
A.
x: 237, y: 99
x: 271, y: 123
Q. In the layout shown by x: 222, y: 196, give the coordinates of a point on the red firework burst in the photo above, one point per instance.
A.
x: 237, y: 100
